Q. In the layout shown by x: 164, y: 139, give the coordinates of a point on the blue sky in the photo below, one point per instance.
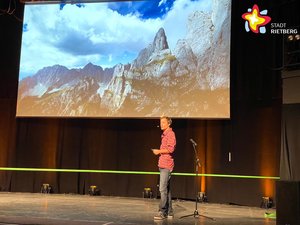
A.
x: 146, y: 9
x: 104, y: 34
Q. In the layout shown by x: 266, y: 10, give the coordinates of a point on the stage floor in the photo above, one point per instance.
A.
x: 60, y: 209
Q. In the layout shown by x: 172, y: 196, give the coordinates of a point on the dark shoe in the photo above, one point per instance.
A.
x: 160, y: 216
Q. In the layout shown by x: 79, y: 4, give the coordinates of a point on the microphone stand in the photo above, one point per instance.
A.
x: 197, y: 165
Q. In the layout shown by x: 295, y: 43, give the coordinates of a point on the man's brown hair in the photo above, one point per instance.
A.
x: 168, y: 119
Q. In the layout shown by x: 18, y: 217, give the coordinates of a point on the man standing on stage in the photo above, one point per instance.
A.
x: 165, y: 165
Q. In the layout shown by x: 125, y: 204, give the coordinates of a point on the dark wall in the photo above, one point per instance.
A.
x: 252, y: 135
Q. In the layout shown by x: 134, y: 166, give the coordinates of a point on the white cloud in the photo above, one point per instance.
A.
x: 162, y: 2
x: 74, y: 36
x: 95, y: 29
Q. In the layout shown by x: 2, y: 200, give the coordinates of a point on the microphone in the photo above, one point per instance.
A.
x: 193, y: 142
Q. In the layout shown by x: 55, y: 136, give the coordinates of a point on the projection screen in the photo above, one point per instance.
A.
x: 131, y: 59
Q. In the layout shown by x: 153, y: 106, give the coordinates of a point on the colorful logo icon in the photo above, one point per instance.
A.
x: 256, y: 20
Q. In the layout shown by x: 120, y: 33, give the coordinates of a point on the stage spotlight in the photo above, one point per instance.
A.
x: 290, y: 38
x: 291, y: 51
x: 147, y: 193
x: 202, y: 197
x: 46, y: 189
x: 266, y: 202
x: 94, y: 190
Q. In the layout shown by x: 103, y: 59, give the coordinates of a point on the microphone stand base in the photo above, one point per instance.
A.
x: 197, y: 215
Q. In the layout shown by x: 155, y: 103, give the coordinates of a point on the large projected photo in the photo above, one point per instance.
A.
x: 126, y: 59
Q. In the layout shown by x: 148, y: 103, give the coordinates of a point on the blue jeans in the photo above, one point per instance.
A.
x: 165, y: 205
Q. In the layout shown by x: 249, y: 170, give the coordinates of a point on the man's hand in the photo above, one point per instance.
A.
x: 156, y: 151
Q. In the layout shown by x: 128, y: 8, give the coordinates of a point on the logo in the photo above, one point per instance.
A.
x: 256, y: 20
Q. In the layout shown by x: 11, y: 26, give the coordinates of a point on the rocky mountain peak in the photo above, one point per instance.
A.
x: 159, y: 44
x: 91, y: 66
x: 160, y: 41
x: 50, y: 74
x: 92, y: 70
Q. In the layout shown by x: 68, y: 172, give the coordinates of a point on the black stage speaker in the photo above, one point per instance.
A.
x: 288, y: 202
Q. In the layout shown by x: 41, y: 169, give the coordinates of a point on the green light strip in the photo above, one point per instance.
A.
x: 227, y: 176
x: 132, y: 172
x: 76, y: 170
x: 270, y: 215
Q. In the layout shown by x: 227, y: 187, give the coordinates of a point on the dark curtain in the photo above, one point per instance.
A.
x: 105, y: 144
x: 95, y: 144
x: 290, y: 144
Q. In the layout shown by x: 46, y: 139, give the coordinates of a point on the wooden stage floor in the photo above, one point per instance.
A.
x: 61, y: 209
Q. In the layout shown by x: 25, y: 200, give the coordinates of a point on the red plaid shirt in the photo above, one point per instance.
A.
x: 168, y: 141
